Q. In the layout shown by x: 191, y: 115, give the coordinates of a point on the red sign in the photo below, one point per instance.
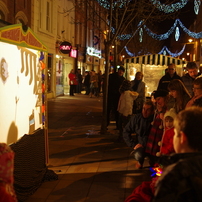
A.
x: 65, y: 47
x: 73, y: 53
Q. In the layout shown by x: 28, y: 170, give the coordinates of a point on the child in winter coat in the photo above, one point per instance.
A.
x: 166, y: 144
x: 125, y: 105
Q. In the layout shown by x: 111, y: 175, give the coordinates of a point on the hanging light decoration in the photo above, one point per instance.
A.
x: 106, y: 4
x: 169, y: 32
x: 171, y: 7
x: 140, y: 35
x: 177, y: 33
x: 163, y: 51
x: 197, y: 4
x: 124, y: 36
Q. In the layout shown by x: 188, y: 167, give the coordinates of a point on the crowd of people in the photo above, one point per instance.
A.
x: 168, y: 135
x: 91, y: 82
x: 167, y: 128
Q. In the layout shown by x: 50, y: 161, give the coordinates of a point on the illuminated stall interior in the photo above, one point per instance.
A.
x: 153, y: 68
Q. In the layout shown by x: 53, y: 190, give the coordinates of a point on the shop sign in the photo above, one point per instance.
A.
x: 73, y: 53
x: 94, y: 52
x: 65, y: 47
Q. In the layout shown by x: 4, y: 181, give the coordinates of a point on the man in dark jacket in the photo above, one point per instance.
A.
x: 182, y: 179
x: 140, y: 125
x: 169, y: 76
x: 190, y: 76
x: 115, y: 81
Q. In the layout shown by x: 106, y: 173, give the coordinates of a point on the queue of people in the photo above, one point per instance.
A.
x: 167, y: 130
x: 172, y: 142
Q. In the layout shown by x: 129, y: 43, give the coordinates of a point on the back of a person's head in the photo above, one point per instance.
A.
x: 189, y: 121
x: 126, y: 85
x: 191, y: 65
x: 150, y: 103
x: 121, y: 68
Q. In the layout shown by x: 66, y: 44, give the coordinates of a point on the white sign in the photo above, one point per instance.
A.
x: 94, y: 52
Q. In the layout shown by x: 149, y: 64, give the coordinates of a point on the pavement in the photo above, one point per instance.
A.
x: 91, y: 167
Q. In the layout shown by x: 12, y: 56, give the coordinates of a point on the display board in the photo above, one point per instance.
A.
x: 22, y: 83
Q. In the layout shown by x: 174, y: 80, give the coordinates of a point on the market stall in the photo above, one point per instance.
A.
x: 23, y: 111
x: 22, y: 83
x: 153, y: 67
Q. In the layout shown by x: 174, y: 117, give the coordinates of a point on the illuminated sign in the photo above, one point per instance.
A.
x: 65, y: 47
x: 94, y: 52
x: 73, y: 53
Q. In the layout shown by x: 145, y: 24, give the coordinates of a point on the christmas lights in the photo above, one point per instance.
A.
x: 197, y: 4
x: 106, y: 4
x: 169, y: 8
x: 169, y: 32
x: 163, y: 51
x: 133, y: 54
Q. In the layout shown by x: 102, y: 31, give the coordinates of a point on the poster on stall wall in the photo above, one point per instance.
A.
x: 20, y: 92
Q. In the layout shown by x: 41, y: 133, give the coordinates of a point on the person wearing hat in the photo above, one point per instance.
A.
x: 166, y: 144
x: 125, y: 105
x: 156, y: 132
x: 140, y: 125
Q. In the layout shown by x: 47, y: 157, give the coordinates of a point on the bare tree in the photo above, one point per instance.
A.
x: 117, y: 18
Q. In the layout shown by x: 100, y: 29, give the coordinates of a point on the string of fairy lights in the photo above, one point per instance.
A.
x: 167, y: 34
x: 160, y: 6
x: 169, y: 8
x: 106, y: 4
x: 166, y: 8
x: 163, y: 51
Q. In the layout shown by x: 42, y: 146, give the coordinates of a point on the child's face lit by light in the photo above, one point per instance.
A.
x: 169, y: 123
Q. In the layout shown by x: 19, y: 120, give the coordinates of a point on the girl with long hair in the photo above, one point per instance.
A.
x: 179, y: 92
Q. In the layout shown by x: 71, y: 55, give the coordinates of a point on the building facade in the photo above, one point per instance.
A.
x: 77, y: 23
x: 90, y: 25
x: 15, y: 12
x: 53, y: 20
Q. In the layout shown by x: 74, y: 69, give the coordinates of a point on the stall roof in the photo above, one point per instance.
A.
x: 14, y: 34
x: 155, y: 59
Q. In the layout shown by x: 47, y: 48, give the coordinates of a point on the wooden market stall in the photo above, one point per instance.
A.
x: 23, y: 111
x: 153, y: 67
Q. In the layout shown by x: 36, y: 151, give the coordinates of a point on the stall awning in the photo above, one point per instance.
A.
x: 155, y: 59
x: 14, y: 34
